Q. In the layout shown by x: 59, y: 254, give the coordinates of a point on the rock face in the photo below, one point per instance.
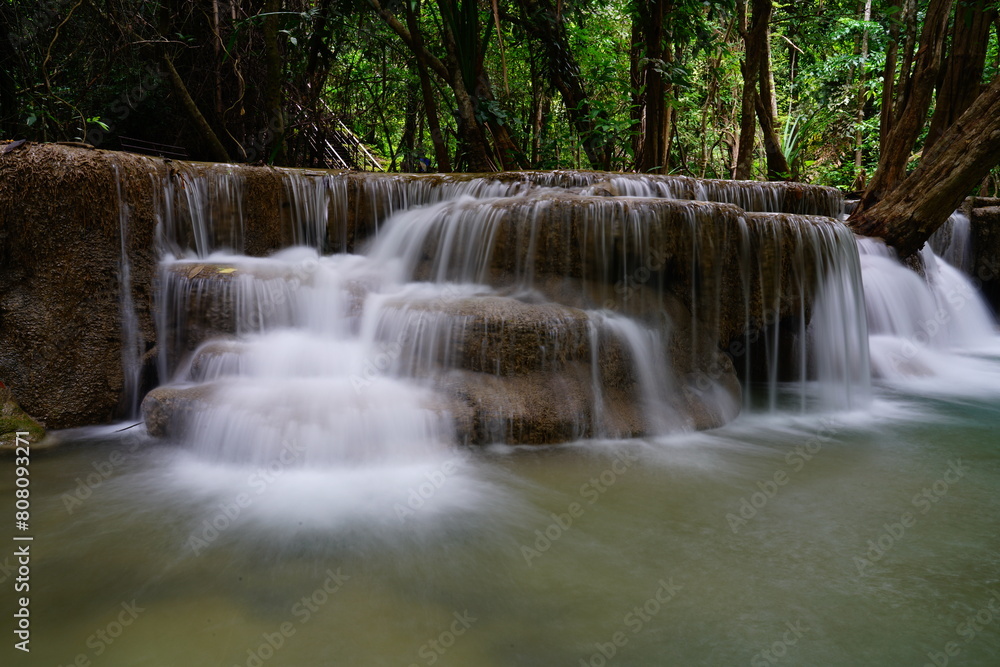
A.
x: 164, y: 409
x: 72, y: 219
x: 984, y: 215
x: 60, y: 249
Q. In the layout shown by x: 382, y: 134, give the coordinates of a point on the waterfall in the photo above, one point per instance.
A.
x: 525, y: 308
x: 133, y: 343
x: 916, y: 322
x: 317, y: 202
x: 200, y: 211
x: 952, y: 241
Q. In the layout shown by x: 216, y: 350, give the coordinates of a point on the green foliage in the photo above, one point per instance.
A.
x: 76, y: 76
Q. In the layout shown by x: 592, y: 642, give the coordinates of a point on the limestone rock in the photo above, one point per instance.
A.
x: 165, y: 408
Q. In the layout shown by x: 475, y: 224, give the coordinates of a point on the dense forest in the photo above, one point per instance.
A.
x: 836, y: 92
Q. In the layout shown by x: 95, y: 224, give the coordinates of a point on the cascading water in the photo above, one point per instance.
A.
x: 133, y: 345
x: 510, y: 310
x: 952, y: 241
x: 201, y: 211
x: 917, y: 323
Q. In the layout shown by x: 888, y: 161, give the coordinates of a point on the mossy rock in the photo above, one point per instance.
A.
x: 14, y: 420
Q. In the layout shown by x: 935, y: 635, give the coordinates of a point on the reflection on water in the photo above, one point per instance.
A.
x: 844, y: 539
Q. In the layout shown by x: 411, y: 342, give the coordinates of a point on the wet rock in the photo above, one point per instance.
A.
x: 492, y: 334
x: 985, y: 228
x: 164, y: 409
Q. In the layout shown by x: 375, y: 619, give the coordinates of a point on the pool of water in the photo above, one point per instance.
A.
x: 840, y: 539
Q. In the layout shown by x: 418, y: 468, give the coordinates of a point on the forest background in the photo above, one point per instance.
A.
x: 823, y: 92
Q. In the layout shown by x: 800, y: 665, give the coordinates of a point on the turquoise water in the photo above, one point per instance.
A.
x: 624, y: 552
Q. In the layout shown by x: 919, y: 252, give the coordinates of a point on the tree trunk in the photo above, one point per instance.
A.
x: 472, y: 143
x: 649, y: 53
x: 910, y: 26
x: 919, y: 91
x: 754, y: 39
x: 472, y: 138
x: 539, y: 109
x: 408, y: 140
x: 888, y: 82
x: 543, y: 23
x: 778, y: 168
x: 509, y: 153
x: 430, y: 105
x: 963, y: 74
x: 859, y: 118
x: 956, y: 164
x: 216, y: 149
x: 273, y: 104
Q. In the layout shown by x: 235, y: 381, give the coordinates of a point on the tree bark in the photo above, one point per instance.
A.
x: 963, y: 75
x: 507, y: 150
x: 649, y: 53
x: 960, y: 159
x: 778, y: 168
x: 471, y: 137
x: 273, y: 104
x: 426, y: 91
x: 919, y: 91
x: 754, y: 39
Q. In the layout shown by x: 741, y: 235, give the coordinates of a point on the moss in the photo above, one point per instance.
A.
x: 14, y: 420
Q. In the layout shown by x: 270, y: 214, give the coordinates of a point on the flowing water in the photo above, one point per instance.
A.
x: 318, y: 510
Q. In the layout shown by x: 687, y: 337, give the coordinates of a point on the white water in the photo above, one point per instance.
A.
x: 925, y: 332
x: 952, y: 241
x: 336, y: 362
x: 133, y: 343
